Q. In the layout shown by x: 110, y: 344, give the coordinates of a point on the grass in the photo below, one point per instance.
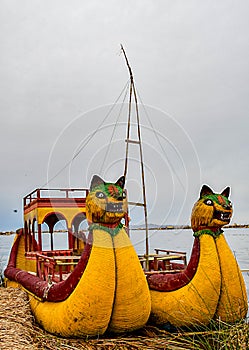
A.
x: 219, y: 335
x: 19, y: 331
x: 227, y: 338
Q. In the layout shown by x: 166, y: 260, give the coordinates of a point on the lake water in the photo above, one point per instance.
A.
x: 180, y: 240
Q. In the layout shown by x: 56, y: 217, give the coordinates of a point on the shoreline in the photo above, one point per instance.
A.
x: 150, y: 228
x: 7, y: 233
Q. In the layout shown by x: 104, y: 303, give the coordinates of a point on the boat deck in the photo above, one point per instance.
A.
x: 56, y: 266
x: 162, y: 261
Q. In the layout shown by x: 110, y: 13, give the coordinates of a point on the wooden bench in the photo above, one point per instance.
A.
x: 162, y: 261
x: 46, y: 266
x: 67, y: 261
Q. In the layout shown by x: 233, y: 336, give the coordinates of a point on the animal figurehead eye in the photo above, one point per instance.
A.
x: 124, y: 195
x: 228, y: 205
x: 208, y: 202
x: 100, y: 195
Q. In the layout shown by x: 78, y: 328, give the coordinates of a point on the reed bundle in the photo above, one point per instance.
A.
x: 16, y: 321
x: 18, y: 331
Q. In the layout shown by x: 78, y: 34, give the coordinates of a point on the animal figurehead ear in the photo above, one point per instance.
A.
x: 121, y: 182
x: 226, y: 192
x: 96, y: 181
x: 205, y: 191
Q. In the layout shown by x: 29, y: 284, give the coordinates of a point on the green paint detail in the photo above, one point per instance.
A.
x: 214, y: 234
x: 105, y: 189
x: 214, y: 198
x: 113, y: 231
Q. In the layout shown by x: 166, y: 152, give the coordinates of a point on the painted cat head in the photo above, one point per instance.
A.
x: 212, y: 209
x: 106, y: 202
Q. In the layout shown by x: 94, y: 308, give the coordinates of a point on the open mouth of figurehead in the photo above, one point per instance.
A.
x: 114, y: 207
x: 222, y: 215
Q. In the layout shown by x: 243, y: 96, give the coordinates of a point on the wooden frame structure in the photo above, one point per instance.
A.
x: 50, y: 206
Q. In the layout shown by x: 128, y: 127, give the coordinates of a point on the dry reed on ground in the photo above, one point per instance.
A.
x: 230, y: 338
x: 16, y: 321
x: 148, y: 338
x: 18, y: 332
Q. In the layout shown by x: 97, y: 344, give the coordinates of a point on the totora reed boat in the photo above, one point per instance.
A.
x: 98, y: 284
x: 84, y: 290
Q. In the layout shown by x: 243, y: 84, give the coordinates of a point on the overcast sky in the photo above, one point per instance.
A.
x: 61, y: 69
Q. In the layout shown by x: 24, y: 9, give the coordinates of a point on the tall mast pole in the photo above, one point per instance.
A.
x: 139, y: 143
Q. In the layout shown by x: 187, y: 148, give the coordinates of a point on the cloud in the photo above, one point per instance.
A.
x: 60, y: 59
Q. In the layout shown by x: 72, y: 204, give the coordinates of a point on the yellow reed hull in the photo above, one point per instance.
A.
x: 232, y: 305
x: 196, y: 302
x: 87, y: 311
x: 132, y: 297
x: 112, y: 293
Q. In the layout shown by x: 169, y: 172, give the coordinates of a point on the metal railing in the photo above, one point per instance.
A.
x: 48, y: 193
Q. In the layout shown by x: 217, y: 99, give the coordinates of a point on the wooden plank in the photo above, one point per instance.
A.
x: 66, y: 257
x: 62, y: 263
x: 137, y: 204
x: 132, y: 141
x: 163, y: 272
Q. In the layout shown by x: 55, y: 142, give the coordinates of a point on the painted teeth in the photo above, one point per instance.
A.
x: 224, y: 216
x: 111, y: 207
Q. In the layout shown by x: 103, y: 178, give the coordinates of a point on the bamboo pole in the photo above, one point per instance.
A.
x: 134, y: 95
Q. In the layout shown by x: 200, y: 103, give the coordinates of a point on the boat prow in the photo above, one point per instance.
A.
x: 89, y: 293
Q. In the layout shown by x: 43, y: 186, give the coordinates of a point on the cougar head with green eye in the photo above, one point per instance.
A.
x: 212, y: 210
x: 106, y: 202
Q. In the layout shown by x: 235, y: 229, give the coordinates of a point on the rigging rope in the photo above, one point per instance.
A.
x: 88, y: 139
x: 114, y: 129
x: 160, y: 144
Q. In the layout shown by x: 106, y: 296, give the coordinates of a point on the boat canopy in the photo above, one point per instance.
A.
x: 50, y: 206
